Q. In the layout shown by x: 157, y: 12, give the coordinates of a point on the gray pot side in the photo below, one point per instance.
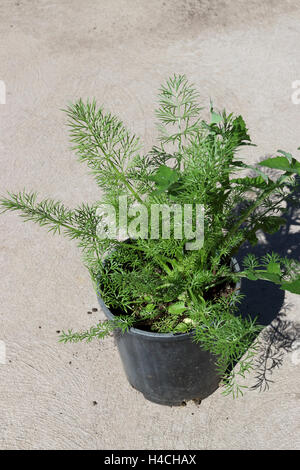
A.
x: 168, y: 369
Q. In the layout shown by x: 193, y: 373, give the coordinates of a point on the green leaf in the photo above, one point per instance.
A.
x: 282, y: 163
x: 164, y: 178
x: 286, y: 154
x: 273, y: 268
x: 177, y: 309
x: 182, y: 296
x: 293, y: 286
x: 255, y: 182
x: 240, y: 130
x: 251, y: 276
x: 149, y: 307
x: 215, y: 117
x: 181, y: 328
x: 272, y: 275
x: 268, y: 276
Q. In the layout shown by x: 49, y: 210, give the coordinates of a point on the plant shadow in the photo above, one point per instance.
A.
x: 265, y: 301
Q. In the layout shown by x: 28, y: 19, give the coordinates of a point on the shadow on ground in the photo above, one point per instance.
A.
x: 265, y: 300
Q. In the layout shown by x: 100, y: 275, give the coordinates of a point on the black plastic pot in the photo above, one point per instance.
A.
x: 168, y: 369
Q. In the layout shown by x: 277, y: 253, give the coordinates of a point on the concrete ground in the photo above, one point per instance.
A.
x: 244, y: 54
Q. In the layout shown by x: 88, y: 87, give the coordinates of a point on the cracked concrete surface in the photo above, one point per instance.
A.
x: 244, y: 55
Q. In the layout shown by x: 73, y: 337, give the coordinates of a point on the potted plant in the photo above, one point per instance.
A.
x: 160, y: 245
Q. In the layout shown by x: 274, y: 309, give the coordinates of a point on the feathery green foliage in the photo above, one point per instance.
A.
x: 158, y: 284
